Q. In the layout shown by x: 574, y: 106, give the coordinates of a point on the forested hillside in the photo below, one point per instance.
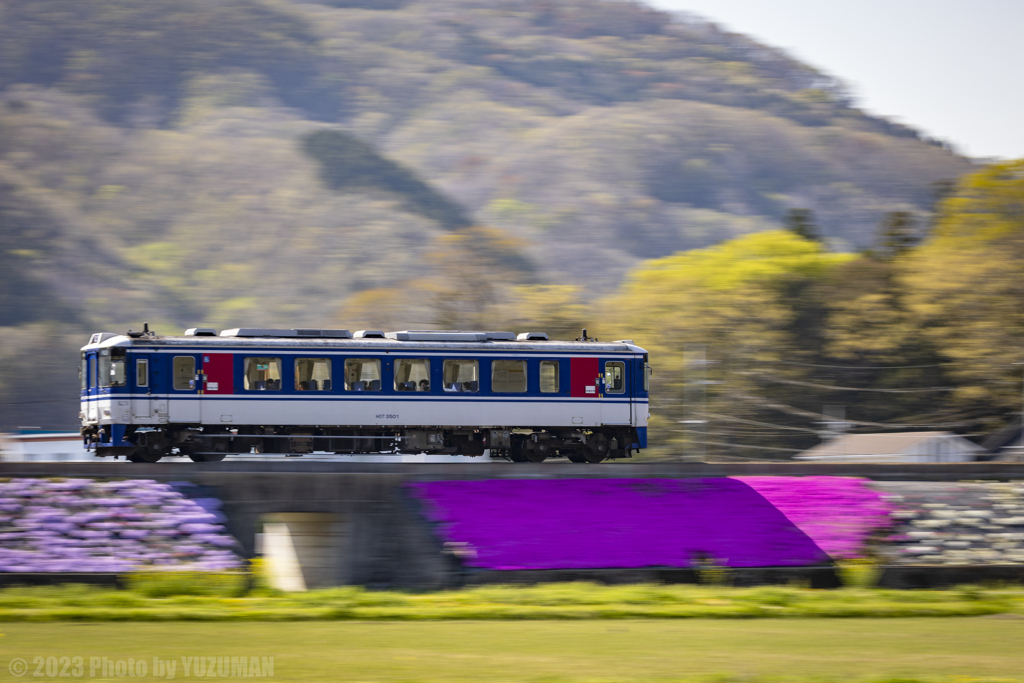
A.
x: 399, y: 163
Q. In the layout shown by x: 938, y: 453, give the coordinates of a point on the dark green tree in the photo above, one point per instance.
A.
x: 897, y: 234
x: 801, y: 222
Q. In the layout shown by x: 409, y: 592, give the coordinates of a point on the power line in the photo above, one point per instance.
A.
x: 762, y: 424
x: 861, y: 367
x: 835, y: 388
x: 738, y: 445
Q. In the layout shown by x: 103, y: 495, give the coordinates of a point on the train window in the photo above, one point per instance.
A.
x: 362, y: 374
x: 142, y: 372
x: 83, y: 373
x: 184, y: 373
x: 549, y: 377
x: 117, y: 372
x: 92, y: 371
x: 312, y: 374
x: 508, y: 376
x: 104, y: 368
x: 462, y: 376
x: 262, y: 374
x: 412, y: 375
x: 614, y: 377
x: 647, y: 377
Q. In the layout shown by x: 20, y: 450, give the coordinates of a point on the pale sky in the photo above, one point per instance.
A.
x: 952, y: 69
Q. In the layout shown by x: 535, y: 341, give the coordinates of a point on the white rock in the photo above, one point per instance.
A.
x: 957, y: 544
x: 931, y: 523
x: 986, y: 554
x: 917, y: 535
x: 903, y: 514
x: 979, y: 514
x: 1009, y: 521
x: 920, y: 549
x: 944, y: 514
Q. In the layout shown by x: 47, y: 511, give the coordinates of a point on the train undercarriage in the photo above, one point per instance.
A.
x: 212, y: 444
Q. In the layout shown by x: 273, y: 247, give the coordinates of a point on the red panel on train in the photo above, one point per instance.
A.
x: 220, y: 373
x: 583, y: 377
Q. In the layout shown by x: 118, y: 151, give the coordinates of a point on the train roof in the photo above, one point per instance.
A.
x: 431, y: 340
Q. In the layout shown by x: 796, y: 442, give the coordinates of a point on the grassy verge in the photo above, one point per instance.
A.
x: 223, y: 601
x: 951, y: 650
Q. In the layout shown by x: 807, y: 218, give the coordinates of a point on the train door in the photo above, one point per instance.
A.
x: 585, y: 382
x: 92, y: 389
x: 218, y: 377
x: 183, y: 404
x: 615, y: 399
x: 142, y: 400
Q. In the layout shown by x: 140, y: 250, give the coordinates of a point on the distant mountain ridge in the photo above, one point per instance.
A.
x: 154, y: 164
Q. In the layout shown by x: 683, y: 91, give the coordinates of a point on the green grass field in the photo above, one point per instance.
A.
x: 954, y: 649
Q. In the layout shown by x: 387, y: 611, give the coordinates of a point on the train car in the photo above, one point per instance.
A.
x: 293, y: 392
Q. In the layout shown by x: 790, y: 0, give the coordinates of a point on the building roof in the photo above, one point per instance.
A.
x: 880, y: 444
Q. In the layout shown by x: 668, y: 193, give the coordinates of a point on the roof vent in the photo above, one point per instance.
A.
x: 304, y: 334
x: 369, y: 334
x: 500, y: 336
x: 436, y: 335
x: 532, y: 336
x: 200, y: 332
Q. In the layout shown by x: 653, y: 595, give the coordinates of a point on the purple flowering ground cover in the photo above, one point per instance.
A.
x: 838, y: 513
x: 82, y: 525
x: 614, y: 523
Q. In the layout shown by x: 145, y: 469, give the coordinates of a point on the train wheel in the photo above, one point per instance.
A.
x: 205, y: 450
x: 206, y: 457
x: 535, y: 451
x: 517, y: 453
x: 151, y: 449
x: 596, y: 449
x: 576, y: 456
x: 591, y: 455
x: 141, y: 455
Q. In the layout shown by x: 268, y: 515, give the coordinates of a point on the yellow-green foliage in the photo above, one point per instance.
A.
x: 220, y: 598
x: 967, y: 282
x: 165, y: 583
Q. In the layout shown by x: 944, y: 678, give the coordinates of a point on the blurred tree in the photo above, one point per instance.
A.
x: 966, y: 284
x: 898, y: 233
x: 557, y: 310
x: 801, y: 223
x: 738, y: 300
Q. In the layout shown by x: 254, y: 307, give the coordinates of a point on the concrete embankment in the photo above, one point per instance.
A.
x: 362, y: 523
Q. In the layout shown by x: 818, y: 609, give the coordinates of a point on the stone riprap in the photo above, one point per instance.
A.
x: 954, y: 524
x: 632, y: 523
x: 83, y: 525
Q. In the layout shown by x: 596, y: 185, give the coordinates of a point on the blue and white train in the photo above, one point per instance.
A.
x: 204, y: 395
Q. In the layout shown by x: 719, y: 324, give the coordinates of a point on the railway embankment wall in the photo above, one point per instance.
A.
x: 945, y: 519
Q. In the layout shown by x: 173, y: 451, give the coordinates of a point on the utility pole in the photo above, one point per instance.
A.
x: 1020, y: 439
x: 695, y: 401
